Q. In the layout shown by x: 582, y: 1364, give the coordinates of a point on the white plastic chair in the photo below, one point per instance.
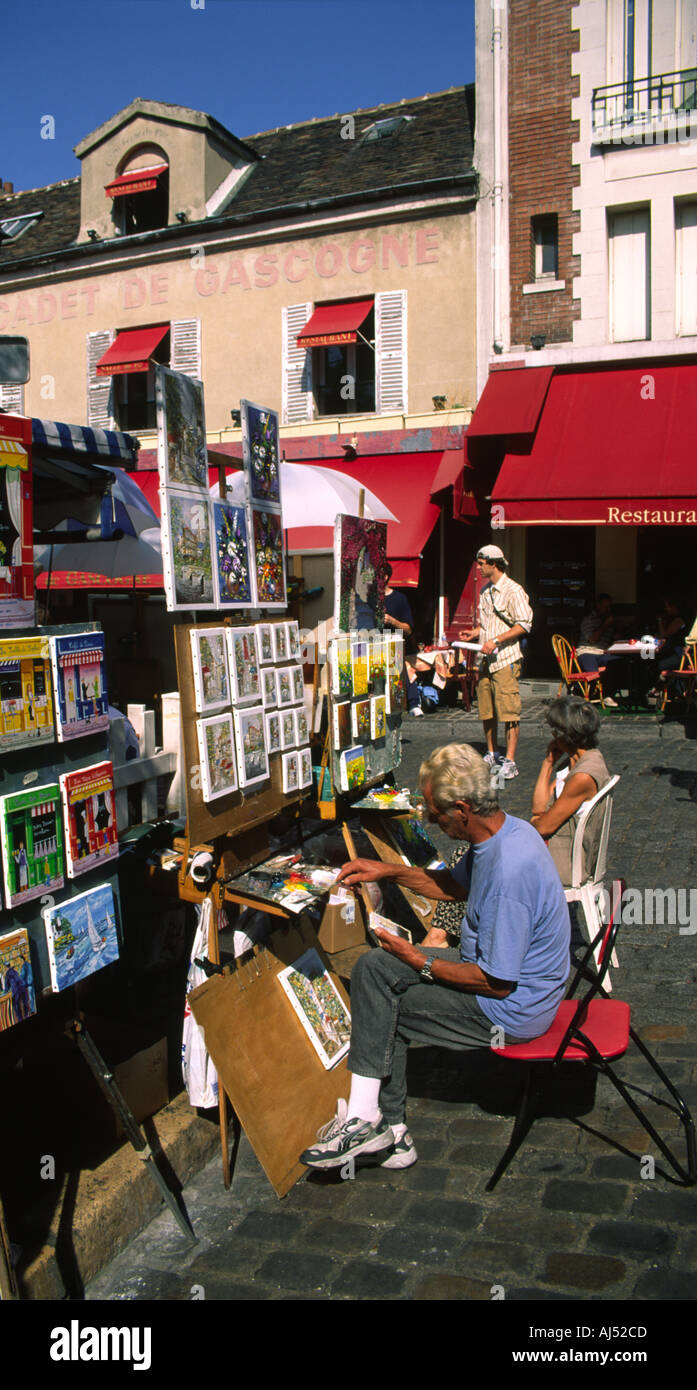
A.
x: 590, y: 891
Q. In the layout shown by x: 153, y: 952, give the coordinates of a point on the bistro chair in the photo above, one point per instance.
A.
x: 467, y: 678
x: 572, y: 675
x: 683, y: 680
x: 589, y: 891
x: 592, y: 1032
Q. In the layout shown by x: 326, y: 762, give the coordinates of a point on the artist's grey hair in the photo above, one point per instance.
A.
x: 455, y: 772
x: 575, y: 721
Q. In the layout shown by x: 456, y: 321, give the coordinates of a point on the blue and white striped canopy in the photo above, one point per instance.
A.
x: 52, y: 434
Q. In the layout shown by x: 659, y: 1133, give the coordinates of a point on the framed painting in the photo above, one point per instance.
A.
x: 302, y: 733
x: 360, y: 556
x: 377, y: 665
x: 81, y: 936
x: 359, y: 667
x: 187, y: 556
x: 378, y: 719
x: 26, y: 695
x: 268, y: 688
x: 305, y: 768
x: 284, y: 687
x: 269, y: 559
x: 89, y: 817
x: 265, y: 643
x: 245, y: 671
x: 290, y: 769
x: 31, y: 834
x: 287, y: 728
x: 260, y: 454
x: 318, y: 1006
x: 17, y: 993
x: 341, y: 724
x: 273, y: 733
x: 352, y: 772
x: 209, y: 660
x: 279, y: 637
x: 298, y: 684
x: 16, y: 523
x: 360, y: 720
x: 216, y: 745
x: 78, y: 662
x: 232, y: 569
x: 252, y: 758
x: 293, y: 640
x: 182, y: 455
x: 341, y: 667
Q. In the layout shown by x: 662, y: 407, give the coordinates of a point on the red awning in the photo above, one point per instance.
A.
x: 406, y: 484
x: 137, y: 181
x: 335, y: 323
x: 131, y: 350
x: 613, y: 448
x: 511, y: 401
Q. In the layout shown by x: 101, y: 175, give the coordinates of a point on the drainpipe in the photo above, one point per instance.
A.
x: 497, y: 191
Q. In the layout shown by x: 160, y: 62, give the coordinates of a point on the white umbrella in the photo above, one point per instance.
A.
x: 112, y: 559
x: 313, y: 496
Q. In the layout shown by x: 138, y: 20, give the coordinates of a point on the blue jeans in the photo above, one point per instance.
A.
x: 391, y: 1007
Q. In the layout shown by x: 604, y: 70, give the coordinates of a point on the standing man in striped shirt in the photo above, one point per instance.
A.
x: 505, y: 616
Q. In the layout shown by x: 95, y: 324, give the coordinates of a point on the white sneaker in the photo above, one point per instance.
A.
x: 403, y: 1155
x: 611, y: 704
x: 508, y: 769
x: 417, y: 712
x: 341, y: 1139
x: 492, y: 758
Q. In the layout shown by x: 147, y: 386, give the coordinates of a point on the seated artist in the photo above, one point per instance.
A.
x: 573, y: 770
x: 509, y: 974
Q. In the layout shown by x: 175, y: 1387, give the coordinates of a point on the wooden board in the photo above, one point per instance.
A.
x: 267, y: 1064
x: 375, y: 827
x: 227, y: 815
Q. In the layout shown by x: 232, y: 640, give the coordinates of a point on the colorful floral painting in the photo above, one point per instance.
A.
x: 269, y: 562
x: 352, y: 768
x: 260, y: 453
x: 360, y: 552
x: 232, y: 568
x: 182, y: 453
x: 360, y: 720
x: 378, y: 720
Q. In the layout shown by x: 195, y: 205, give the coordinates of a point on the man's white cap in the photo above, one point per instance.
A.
x: 491, y: 552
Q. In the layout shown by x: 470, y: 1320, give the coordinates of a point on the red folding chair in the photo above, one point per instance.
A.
x: 594, y: 1031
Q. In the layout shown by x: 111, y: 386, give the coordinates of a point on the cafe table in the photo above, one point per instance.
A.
x: 646, y: 648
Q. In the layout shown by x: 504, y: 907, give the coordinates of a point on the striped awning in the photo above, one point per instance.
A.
x: 13, y: 454
x: 44, y: 808
x: 9, y: 665
x: 81, y: 439
x: 82, y: 658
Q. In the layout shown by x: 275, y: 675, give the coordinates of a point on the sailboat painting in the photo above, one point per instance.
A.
x: 81, y: 936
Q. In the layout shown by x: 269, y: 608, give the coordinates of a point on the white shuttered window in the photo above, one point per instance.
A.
x: 297, y: 367
x: 185, y: 347
x: 630, y: 275
x: 99, y: 407
x: 391, y: 352
x: 686, y: 269
x: 12, y: 399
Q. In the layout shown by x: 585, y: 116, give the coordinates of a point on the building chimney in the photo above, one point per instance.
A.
x: 8, y: 188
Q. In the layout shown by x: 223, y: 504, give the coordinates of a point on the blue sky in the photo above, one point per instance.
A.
x: 253, y: 64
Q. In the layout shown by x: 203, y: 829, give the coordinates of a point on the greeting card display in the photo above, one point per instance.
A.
x: 216, y: 742
x: 360, y: 555
x: 244, y: 665
x: 273, y: 733
x: 89, y: 817
x: 79, y: 684
x: 290, y: 771
x: 32, y: 843
x: 17, y: 997
x: 250, y: 734
x: 209, y: 657
x: 269, y: 559
x: 186, y: 550
x: 26, y: 698
x: 81, y: 936
x: 318, y: 1006
x: 182, y: 455
x: 233, y: 570
x: 260, y: 454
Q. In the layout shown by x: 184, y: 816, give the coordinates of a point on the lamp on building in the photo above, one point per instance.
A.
x: 538, y: 341
x: 93, y: 236
x: 180, y: 216
x: 236, y: 417
x: 439, y: 402
x: 498, y: 348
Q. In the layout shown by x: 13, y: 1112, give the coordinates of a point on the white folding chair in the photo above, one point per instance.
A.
x: 590, y: 891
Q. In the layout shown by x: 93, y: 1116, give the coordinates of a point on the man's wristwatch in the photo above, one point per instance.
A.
x: 426, y: 972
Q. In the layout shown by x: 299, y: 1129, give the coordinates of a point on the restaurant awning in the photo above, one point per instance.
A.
x: 137, y: 181
x: 131, y: 350
x: 613, y: 447
x: 334, y: 323
x: 511, y: 401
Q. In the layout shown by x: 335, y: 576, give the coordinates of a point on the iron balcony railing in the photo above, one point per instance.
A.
x: 643, y: 101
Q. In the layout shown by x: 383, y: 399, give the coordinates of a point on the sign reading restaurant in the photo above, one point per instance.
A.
x: 651, y: 516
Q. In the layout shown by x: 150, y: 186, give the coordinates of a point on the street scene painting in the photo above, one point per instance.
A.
x: 209, y: 659
x: 265, y: 643
x: 181, y: 430
x: 79, y: 684
x: 360, y: 556
x: 260, y: 454
x: 252, y: 759
x: 290, y: 771
x: 89, y: 816
x: 81, y: 936
x: 31, y: 835
x: 17, y: 996
x: 269, y: 562
x: 216, y: 744
x: 26, y: 697
x: 318, y: 1006
x: 305, y: 767
x: 273, y: 733
x: 244, y: 665
x: 233, y: 575
x: 186, y: 551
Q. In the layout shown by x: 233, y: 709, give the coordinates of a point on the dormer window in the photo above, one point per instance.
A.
x: 386, y: 129
x: 141, y: 193
x: 12, y: 227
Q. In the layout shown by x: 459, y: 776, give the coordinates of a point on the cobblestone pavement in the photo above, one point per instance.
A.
x: 573, y: 1218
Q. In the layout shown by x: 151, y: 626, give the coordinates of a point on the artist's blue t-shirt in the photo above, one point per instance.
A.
x: 516, y: 926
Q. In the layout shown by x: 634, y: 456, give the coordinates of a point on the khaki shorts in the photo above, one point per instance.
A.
x: 498, y: 696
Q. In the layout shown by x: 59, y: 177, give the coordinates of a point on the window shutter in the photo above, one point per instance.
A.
x: 99, y: 410
x: 185, y: 347
x: 391, y: 352
x: 297, y: 367
x: 12, y: 399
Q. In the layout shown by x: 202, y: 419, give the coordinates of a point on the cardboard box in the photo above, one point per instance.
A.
x: 142, y: 1081
x: 342, y: 924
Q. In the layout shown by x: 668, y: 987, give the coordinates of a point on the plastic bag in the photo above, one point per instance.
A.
x: 199, y: 1074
